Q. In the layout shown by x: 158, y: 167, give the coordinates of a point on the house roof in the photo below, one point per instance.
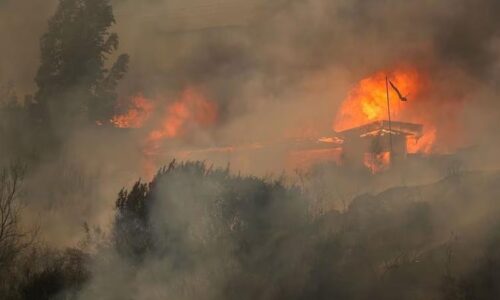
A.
x: 382, y: 127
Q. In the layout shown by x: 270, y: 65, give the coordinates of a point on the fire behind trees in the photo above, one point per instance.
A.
x: 196, y: 232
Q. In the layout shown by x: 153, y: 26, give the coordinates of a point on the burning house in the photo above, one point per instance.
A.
x: 360, y: 136
x: 378, y: 144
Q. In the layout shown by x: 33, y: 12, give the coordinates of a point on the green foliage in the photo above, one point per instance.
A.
x: 246, y: 209
x: 131, y: 231
x: 73, y: 79
x: 261, y: 235
x: 197, y: 232
x: 27, y: 270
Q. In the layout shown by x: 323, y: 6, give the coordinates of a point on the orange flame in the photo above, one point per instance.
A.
x: 425, y: 143
x: 367, y: 102
x: 377, y: 162
x: 136, y: 116
x: 191, y: 109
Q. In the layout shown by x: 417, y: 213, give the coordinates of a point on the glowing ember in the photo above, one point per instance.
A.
x: 136, y: 116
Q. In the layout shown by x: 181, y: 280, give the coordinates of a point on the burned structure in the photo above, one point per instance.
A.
x: 378, y: 144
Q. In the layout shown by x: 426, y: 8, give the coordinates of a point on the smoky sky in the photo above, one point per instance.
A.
x: 271, y: 67
x: 202, y: 40
x: 249, y: 54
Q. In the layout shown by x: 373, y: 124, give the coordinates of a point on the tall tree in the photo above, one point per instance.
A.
x: 73, y: 80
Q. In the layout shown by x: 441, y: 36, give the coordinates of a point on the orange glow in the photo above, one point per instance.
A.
x: 424, y: 144
x: 377, y: 162
x: 191, y: 109
x: 367, y: 102
x: 304, y: 159
x: 136, y: 116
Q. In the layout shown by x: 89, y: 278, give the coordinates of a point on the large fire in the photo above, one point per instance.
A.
x: 189, y: 111
x: 367, y: 102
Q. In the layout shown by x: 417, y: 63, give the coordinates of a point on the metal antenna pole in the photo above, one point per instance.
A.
x: 389, y: 114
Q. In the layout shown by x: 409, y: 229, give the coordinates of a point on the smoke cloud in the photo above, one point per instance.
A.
x: 258, y: 60
x: 276, y: 72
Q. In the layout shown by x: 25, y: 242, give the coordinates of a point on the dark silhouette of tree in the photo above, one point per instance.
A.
x: 55, y: 274
x: 12, y: 239
x: 132, y: 236
x: 17, y: 141
x: 73, y: 80
x: 241, y: 216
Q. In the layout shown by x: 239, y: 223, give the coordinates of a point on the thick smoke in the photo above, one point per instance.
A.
x: 275, y: 71
x: 286, y: 61
x: 21, y: 25
x: 273, y: 67
x: 279, y: 69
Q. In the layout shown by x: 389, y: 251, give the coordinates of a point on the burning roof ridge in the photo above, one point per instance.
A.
x: 399, y: 127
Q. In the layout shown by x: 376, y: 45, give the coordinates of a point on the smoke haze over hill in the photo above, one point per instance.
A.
x: 255, y: 90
